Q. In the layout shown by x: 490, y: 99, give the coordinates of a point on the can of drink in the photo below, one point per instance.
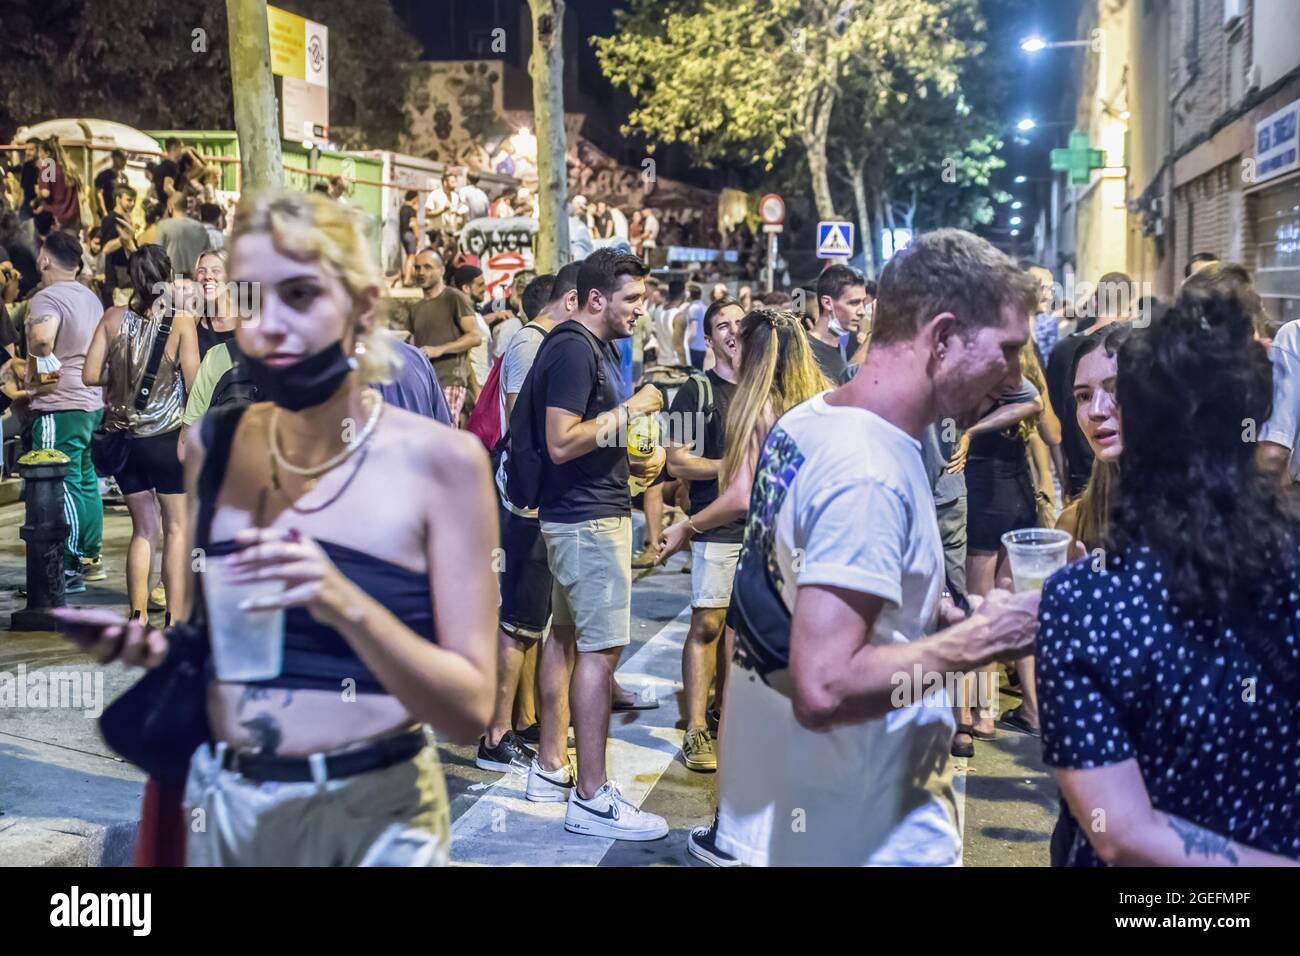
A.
x: 642, y: 442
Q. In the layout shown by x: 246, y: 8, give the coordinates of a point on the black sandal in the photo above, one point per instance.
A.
x: 963, y: 750
x: 1015, y: 719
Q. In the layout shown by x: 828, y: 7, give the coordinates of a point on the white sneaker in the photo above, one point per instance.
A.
x: 549, y: 786
x: 607, y: 814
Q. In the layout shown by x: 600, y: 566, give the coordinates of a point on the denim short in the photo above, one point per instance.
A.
x: 592, y: 564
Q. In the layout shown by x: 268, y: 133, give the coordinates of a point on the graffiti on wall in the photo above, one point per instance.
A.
x: 455, y: 114
x: 504, y: 248
x: 686, y: 214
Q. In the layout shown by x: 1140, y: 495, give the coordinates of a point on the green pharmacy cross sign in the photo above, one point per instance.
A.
x: 1078, y: 160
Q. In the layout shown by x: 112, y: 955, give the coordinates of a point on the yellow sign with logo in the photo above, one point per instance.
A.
x: 288, y: 33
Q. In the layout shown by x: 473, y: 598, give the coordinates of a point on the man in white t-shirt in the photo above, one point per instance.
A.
x: 1281, y: 434
x: 526, y: 580
x: 842, y: 758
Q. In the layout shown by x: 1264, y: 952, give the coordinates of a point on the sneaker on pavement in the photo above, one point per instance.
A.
x: 608, y: 815
x: 702, y: 844
x: 73, y: 582
x: 548, y: 786
x: 158, y: 598
x: 510, y: 755
x: 648, y: 558
x: 92, y: 569
x: 698, y: 752
x: 531, y: 735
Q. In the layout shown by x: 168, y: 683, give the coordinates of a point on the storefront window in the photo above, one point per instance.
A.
x: 1276, y: 211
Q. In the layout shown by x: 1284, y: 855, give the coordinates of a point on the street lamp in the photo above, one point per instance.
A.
x: 1026, y: 124
x: 1035, y: 44
x: 1017, y: 204
x: 1016, y: 220
x: 1015, y: 232
x: 1021, y: 179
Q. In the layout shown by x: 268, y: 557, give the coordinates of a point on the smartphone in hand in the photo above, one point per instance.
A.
x: 86, y: 624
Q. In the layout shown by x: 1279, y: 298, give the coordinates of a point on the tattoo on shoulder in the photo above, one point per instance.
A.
x: 1200, y: 841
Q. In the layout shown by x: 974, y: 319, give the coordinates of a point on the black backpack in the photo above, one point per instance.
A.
x: 528, y: 457
x: 236, y: 387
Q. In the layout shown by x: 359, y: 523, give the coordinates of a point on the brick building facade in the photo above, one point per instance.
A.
x: 1204, y: 81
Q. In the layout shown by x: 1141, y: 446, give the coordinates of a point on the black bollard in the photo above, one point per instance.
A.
x: 45, y: 530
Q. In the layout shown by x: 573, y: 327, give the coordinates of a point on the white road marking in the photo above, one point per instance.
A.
x: 502, y: 828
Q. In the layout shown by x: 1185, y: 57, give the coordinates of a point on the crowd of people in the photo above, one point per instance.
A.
x: 43, y: 192
x: 460, y: 199
x: 440, y: 499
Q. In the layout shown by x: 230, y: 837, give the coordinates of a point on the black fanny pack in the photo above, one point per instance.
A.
x: 760, y: 618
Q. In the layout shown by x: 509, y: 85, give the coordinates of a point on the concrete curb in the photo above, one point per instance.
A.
x: 67, y: 842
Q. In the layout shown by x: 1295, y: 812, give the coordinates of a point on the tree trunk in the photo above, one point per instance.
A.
x: 859, y: 181
x: 547, y: 68
x: 256, y: 121
x: 813, y: 134
x: 821, y: 183
x: 911, y: 213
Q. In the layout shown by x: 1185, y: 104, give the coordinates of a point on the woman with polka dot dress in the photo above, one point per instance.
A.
x: 1168, y: 663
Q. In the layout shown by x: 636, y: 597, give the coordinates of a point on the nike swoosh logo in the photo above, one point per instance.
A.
x: 607, y: 814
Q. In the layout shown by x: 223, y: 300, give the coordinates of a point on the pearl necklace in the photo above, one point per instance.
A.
x: 313, y: 473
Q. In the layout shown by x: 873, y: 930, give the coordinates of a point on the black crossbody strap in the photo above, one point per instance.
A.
x: 155, y: 360
x: 217, y: 429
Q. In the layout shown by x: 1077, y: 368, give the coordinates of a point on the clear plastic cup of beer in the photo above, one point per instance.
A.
x: 1035, y: 553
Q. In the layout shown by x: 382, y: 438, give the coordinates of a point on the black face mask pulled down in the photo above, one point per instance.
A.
x: 304, y: 384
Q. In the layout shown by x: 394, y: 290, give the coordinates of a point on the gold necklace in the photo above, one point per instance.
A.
x: 313, y: 473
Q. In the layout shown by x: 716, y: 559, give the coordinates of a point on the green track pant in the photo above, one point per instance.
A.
x: 83, y: 509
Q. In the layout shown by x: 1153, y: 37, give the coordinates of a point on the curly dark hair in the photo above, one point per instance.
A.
x: 1193, y: 388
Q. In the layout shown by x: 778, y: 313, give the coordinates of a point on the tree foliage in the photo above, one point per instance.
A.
x: 743, y: 79
x: 165, y: 64
x: 915, y: 156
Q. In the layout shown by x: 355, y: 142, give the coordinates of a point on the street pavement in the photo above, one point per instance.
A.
x: 66, y: 799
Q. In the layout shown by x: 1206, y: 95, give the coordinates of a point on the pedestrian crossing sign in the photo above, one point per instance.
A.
x: 834, y: 240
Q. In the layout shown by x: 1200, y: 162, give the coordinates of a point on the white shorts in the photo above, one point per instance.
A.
x: 713, y: 568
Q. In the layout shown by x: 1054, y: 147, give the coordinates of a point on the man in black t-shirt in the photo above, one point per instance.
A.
x: 575, y: 389
x: 167, y: 174
x: 28, y: 177
x: 841, y: 307
x: 697, y: 427
x: 107, y: 183
x: 408, y: 229
x: 117, y: 236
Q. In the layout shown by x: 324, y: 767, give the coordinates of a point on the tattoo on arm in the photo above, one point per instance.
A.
x: 1201, y: 841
